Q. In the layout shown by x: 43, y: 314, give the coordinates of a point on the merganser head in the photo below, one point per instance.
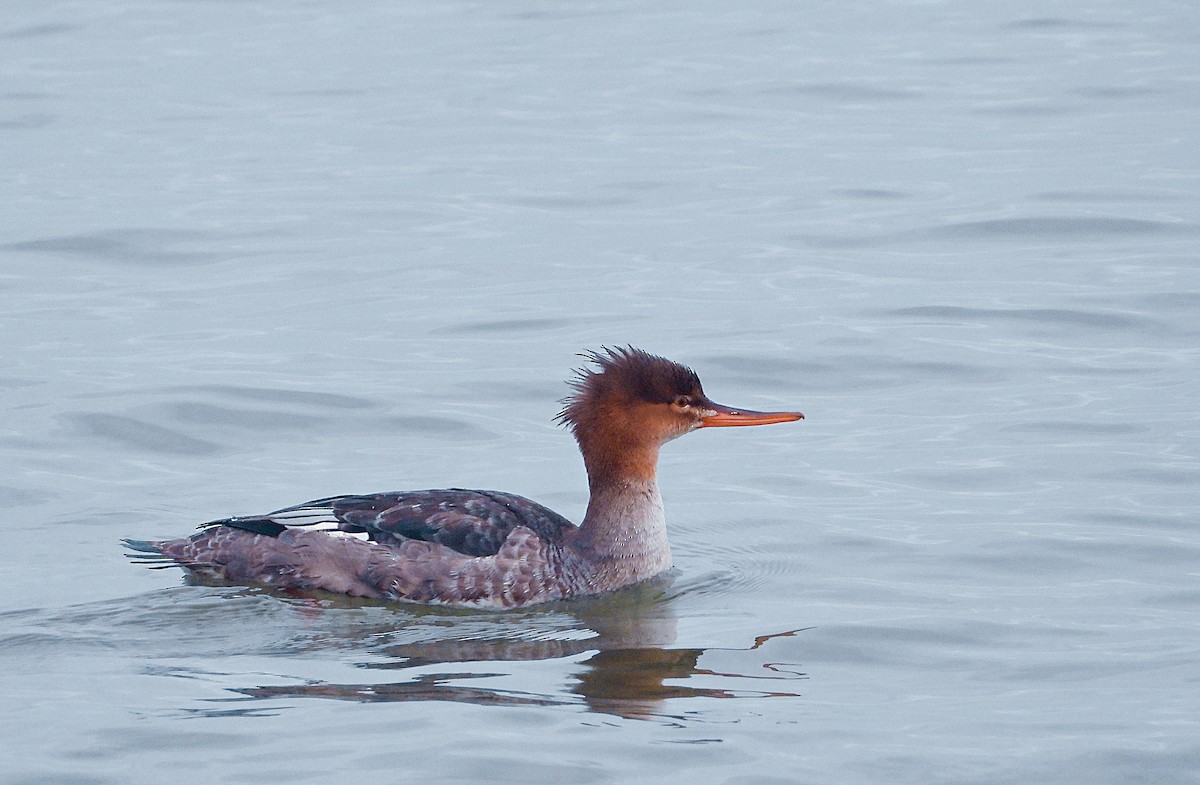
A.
x: 639, y: 397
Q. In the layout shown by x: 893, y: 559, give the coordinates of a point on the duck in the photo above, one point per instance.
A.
x: 483, y: 548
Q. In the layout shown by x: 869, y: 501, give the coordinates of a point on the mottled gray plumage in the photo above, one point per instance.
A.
x: 462, y: 547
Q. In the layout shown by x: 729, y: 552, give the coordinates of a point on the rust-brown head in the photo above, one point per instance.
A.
x: 634, y: 398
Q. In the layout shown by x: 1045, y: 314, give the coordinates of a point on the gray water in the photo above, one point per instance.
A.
x: 257, y: 253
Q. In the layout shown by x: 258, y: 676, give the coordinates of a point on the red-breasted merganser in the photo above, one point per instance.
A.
x: 487, y: 548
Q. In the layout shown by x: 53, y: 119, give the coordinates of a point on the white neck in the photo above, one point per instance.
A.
x: 624, y: 532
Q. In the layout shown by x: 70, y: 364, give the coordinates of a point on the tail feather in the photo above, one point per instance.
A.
x: 140, y: 546
x: 148, y: 553
x: 162, y: 555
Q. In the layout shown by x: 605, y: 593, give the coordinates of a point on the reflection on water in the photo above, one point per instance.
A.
x: 629, y: 669
x: 612, y: 654
x: 628, y: 682
x: 634, y: 682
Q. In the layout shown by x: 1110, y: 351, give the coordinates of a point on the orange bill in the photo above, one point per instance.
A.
x: 724, y: 416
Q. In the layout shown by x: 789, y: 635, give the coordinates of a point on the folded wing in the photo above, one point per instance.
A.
x: 471, y: 522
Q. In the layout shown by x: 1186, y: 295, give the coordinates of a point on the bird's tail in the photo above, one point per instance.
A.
x: 149, y: 553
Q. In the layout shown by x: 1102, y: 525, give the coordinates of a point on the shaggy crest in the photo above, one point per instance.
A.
x: 623, y: 371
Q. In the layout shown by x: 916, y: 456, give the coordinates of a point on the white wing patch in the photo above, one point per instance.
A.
x: 326, y: 525
x: 316, y: 519
x: 352, y: 535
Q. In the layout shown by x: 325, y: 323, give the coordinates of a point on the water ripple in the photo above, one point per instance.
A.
x: 1042, y: 229
x: 283, y: 395
x: 1091, y: 319
x: 139, y: 434
x: 154, y: 247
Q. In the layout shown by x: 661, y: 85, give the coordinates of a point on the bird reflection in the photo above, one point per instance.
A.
x: 630, y: 670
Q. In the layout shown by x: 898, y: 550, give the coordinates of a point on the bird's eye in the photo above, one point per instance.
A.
x: 682, y: 401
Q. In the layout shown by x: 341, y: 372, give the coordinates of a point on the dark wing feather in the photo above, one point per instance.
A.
x: 474, y: 523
